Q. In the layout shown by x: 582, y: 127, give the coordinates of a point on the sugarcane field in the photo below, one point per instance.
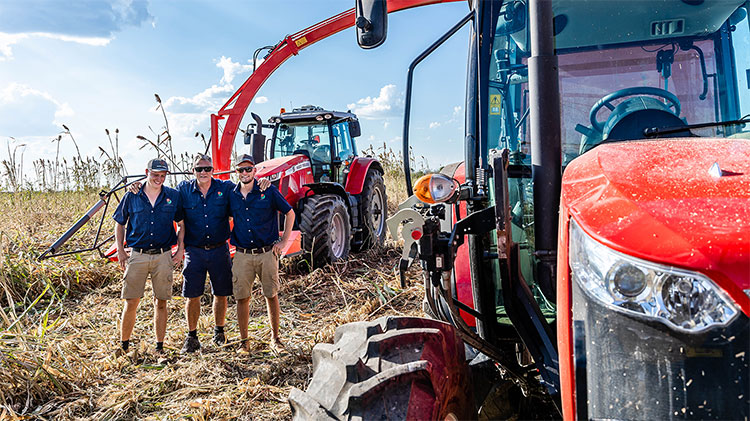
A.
x: 60, y: 323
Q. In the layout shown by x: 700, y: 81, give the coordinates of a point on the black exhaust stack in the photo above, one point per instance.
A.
x: 257, y: 140
x: 546, y: 149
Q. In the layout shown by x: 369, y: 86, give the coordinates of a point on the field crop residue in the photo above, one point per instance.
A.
x: 59, y: 327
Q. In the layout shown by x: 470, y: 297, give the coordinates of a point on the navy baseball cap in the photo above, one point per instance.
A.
x: 157, y: 165
x: 245, y: 158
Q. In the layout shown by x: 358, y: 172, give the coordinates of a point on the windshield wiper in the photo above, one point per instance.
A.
x: 656, y: 132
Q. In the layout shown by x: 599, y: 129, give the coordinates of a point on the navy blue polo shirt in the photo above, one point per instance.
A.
x: 206, y: 218
x: 149, y: 227
x: 255, y: 217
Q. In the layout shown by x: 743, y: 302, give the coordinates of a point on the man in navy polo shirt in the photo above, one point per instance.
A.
x: 256, y: 238
x: 206, y: 205
x: 149, y: 215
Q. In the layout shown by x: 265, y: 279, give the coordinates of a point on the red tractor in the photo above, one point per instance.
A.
x: 338, y: 196
x: 590, y: 257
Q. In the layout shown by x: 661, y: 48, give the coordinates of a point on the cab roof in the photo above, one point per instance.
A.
x: 310, y: 113
x: 588, y: 23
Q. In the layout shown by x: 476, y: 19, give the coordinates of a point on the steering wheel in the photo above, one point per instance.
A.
x: 606, y: 101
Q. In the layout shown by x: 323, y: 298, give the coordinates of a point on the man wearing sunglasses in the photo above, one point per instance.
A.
x: 258, y: 247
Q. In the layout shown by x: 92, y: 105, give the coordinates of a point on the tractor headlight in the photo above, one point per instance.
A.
x: 684, y: 300
x: 436, y: 188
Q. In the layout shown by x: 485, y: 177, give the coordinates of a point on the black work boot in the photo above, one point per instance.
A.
x: 191, y: 345
x: 219, y: 338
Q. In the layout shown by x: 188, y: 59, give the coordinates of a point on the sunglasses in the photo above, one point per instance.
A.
x: 203, y: 169
x: 245, y: 169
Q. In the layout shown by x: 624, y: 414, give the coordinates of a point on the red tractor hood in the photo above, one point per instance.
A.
x: 658, y: 201
x: 281, y: 166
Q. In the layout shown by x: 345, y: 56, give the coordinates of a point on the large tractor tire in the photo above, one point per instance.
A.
x: 393, y: 368
x: 326, y: 230
x: 374, y: 210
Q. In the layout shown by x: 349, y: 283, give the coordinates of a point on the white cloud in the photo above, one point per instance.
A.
x: 93, y: 18
x: 386, y: 104
x: 386, y: 124
x: 8, y: 40
x: 456, y: 110
x: 91, y: 23
x: 434, y: 124
x: 27, y: 111
x: 261, y: 100
x: 232, y: 69
x: 209, y: 100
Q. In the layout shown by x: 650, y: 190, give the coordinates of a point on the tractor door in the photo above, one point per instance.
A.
x: 342, y: 149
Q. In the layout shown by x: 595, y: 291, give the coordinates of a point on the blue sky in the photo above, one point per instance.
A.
x: 95, y: 65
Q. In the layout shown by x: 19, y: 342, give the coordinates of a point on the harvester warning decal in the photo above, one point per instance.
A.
x: 495, y: 101
x: 300, y: 42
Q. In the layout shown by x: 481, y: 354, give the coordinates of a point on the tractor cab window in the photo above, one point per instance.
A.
x: 608, y: 93
x: 342, y: 140
x: 305, y: 138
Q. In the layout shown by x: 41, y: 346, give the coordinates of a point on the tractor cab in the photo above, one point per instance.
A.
x: 325, y: 137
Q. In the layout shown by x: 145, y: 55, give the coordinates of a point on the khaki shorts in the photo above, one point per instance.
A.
x: 246, y: 267
x: 139, y: 267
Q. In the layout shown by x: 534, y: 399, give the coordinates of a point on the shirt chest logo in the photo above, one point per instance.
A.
x: 262, y: 196
x: 221, y: 194
x: 169, y: 201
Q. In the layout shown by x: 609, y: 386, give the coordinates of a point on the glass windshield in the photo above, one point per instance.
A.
x: 601, y: 88
x: 303, y: 138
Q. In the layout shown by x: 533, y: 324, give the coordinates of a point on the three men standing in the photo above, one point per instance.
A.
x: 206, y: 204
x: 145, y: 220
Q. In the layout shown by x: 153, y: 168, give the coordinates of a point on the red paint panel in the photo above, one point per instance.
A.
x: 290, y: 185
x: 355, y: 181
x: 656, y: 200
x: 461, y: 264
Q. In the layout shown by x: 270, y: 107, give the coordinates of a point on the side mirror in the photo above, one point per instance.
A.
x: 371, y: 20
x: 354, y: 129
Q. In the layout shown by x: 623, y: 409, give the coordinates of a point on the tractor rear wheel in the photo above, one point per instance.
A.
x: 326, y: 229
x: 374, y: 210
x: 391, y: 368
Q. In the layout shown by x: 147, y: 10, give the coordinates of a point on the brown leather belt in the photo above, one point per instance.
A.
x: 210, y: 246
x: 152, y: 251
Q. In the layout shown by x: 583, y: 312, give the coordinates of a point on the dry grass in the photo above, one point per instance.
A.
x: 58, y: 329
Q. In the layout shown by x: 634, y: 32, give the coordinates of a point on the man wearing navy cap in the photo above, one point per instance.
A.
x: 149, y: 216
x: 256, y: 238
